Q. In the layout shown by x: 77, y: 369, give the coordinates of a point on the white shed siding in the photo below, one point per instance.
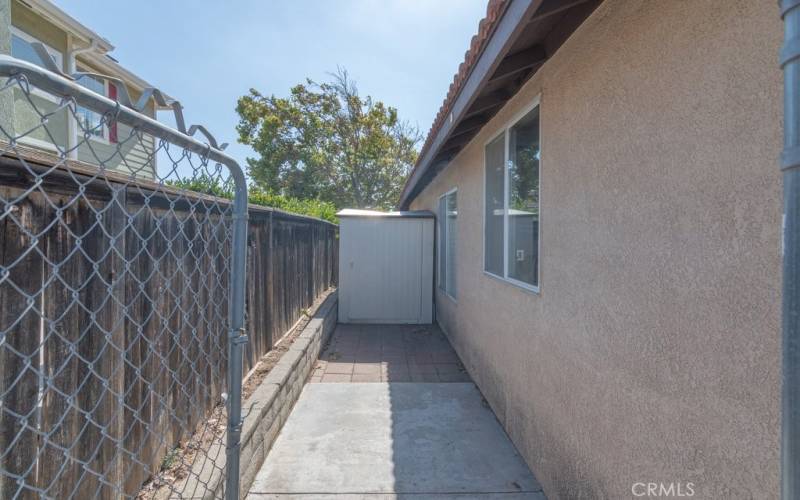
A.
x: 386, y: 269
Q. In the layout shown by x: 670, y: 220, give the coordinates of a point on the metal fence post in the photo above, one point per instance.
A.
x: 123, y: 289
x: 237, y: 337
x: 135, y: 292
x: 790, y: 165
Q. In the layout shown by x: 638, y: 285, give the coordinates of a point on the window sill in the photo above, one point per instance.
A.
x: 99, y: 140
x: 44, y: 95
x: 38, y: 143
x: 452, y: 299
x: 534, y: 290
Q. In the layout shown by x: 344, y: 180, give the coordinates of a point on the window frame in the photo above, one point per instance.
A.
x: 503, y: 132
x: 442, y: 229
x: 57, y: 55
x: 106, y: 137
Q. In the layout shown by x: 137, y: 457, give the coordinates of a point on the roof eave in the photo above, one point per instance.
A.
x: 511, y: 23
x: 515, y: 47
x: 103, y: 63
x: 98, y: 58
x: 68, y: 23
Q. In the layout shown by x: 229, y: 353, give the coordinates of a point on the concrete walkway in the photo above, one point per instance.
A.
x: 386, y: 440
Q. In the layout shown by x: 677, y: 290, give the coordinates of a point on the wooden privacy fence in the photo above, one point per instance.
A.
x: 113, y: 315
x: 291, y: 260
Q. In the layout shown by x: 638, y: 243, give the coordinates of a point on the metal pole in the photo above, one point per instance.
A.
x: 790, y: 165
x: 36, y: 76
x: 58, y: 85
x: 237, y: 337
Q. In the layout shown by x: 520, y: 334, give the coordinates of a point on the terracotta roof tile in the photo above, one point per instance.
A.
x: 487, y: 25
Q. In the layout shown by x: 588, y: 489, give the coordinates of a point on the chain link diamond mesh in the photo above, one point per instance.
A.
x: 116, y: 280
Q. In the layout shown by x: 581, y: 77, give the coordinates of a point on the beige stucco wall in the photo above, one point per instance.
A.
x: 26, y: 118
x: 6, y: 98
x: 652, y: 351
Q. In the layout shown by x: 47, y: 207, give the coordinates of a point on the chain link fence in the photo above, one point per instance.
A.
x: 122, y: 294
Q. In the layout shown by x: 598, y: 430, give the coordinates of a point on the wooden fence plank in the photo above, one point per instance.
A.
x: 20, y: 303
x: 139, y: 373
x: 62, y: 330
x: 99, y: 346
x: 130, y: 332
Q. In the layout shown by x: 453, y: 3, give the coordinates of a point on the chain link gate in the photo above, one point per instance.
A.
x: 122, y: 276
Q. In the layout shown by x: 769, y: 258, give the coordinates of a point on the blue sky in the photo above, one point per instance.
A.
x: 207, y: 53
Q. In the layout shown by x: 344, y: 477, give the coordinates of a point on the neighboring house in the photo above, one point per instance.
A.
x: 74, y: 48
x: 607, y: 179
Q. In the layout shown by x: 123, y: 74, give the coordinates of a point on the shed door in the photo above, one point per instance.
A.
x: 386, y: 270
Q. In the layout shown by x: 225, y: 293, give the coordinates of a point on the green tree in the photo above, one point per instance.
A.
x: 326, y: 142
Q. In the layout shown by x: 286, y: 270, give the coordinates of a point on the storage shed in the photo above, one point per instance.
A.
x: 386, y: 267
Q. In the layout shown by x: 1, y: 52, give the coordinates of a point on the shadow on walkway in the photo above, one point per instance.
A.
x: 390, y: 413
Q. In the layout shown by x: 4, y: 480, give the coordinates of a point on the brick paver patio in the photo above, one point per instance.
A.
x: 402, y: 434
x: 389, y: 353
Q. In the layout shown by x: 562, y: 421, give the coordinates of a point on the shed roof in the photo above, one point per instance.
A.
x: 411, y: 214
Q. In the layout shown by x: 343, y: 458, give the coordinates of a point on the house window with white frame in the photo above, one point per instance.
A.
x: 21, y: 48
x: 511, y: 217
x: 448, y: 230
x: 90, y: 122
x: 24, y: 117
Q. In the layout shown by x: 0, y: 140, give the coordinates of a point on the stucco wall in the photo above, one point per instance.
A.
x: 651, y: 352
x: 6, y: 99
x: 25, y: 117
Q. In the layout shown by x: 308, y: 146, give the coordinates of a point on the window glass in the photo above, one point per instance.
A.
x: 92, y: 83
x: 442, y: 242
x: 452, y: 231
x: 493, y: 218
x: 90, y: 121
x: 523, y: 194
x: 22, y: 49
x: 511, y: 219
